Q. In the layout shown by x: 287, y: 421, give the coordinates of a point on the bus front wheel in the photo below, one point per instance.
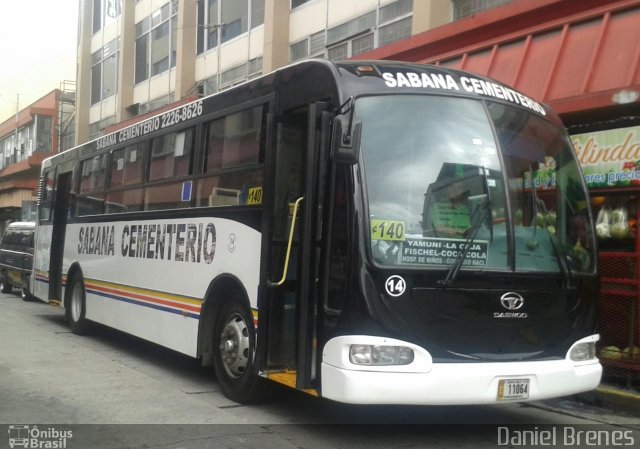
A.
x: 76, y: 306
x: 234, y: 340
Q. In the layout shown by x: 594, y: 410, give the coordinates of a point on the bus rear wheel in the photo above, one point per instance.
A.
x: 234, y: 340
x: 76, y: 306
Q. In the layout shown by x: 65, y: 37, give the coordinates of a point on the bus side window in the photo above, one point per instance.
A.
x: 90, y: 199
x: 233, y: 149
x: 125, y: 179
x: 171, y: 157
x: 335, y: 299
x: 46, y: 197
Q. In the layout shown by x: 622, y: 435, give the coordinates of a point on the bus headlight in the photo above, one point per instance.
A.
x: 583, y: 351
x: 373, y: 355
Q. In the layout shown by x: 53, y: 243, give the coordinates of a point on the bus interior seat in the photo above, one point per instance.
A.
x: 224, y: 197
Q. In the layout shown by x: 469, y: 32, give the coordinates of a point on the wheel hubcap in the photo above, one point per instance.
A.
x: 234, y: 346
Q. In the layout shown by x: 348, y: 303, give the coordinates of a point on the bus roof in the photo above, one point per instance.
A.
x: 341, y: 80
x: 412, y: 78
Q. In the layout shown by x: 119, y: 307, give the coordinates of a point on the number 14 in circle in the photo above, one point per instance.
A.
x: 395, y: 285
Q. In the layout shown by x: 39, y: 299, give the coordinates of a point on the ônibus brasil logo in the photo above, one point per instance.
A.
x: 33, y: 437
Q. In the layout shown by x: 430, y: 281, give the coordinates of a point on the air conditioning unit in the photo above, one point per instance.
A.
x: 133, y: 109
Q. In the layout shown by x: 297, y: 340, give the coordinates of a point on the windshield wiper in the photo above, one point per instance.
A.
x: 532, y: 244
x: 479, y: 215
x: 565, y: 269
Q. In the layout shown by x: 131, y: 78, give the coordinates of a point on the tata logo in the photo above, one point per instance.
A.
x: 511, y: 301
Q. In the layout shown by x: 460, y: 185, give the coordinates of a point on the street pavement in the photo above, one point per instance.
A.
x: 93, y: 385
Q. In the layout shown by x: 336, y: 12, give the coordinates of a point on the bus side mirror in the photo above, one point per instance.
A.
x: 345, y: 145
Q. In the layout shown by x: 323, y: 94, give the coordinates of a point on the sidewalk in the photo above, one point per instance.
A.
x: 608, y: 404
x: 613, y: 398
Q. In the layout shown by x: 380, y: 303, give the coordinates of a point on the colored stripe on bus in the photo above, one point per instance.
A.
x: 42, y: 276
x: 179, y: 305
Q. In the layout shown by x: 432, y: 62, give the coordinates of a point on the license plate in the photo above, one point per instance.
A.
x: 513, y: 389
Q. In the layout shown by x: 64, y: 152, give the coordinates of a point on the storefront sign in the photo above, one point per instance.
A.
x: 545, y: 177
x: 609, y: 158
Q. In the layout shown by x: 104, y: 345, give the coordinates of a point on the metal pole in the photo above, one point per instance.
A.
x: 219, y: 39
x: 15, y: 148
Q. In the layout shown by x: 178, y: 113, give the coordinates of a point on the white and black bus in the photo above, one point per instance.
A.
x: 369, y: 232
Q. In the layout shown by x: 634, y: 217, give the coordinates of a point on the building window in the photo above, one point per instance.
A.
x: 311, y: 47
x: 97, y: 15
x: 465, y: 8
x: 352, y: 47
x: 339, y: 52
x: 105, y: 12
x: 225, y: 20
x: 299, y: 50
x: 104, y: 72
x: 372, y: 30
x: 257, y: 13
x: 43, y: 133
x: 394, y: 32
x: 395, y: 10
x: 156, y: 42
x: 233, y: 76
x: 362, y: 44
x: 142, y: 52
x: 160, y: 44
x: 255, y: 67
x: 296, y: 3
x: 235, y: 18
x: 213, y: 23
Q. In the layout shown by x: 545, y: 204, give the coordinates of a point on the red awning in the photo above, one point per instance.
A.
x: 573, y: 55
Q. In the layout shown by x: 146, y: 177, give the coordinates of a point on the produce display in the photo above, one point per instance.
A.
x: 612, y: 223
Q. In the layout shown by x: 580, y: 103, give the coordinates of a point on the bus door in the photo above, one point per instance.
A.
x: 59, y: 228
x: 293, y: 248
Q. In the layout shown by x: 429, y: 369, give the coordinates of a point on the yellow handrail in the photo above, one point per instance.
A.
x: 286, y: 260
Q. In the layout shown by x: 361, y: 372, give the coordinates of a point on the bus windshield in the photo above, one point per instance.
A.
x: 447, y: 174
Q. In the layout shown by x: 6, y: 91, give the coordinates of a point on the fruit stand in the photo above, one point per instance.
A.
x: 611, y: 165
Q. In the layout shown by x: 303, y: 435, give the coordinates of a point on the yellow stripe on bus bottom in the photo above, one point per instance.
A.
x: 288, y: 378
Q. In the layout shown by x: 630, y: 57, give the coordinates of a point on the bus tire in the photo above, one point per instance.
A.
x: 76, y: 306
x: 234, y: 341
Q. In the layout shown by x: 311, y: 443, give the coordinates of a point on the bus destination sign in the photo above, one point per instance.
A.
x: 437, y: 251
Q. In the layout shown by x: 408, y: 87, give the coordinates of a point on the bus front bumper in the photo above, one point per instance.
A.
x: 425, y: 383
